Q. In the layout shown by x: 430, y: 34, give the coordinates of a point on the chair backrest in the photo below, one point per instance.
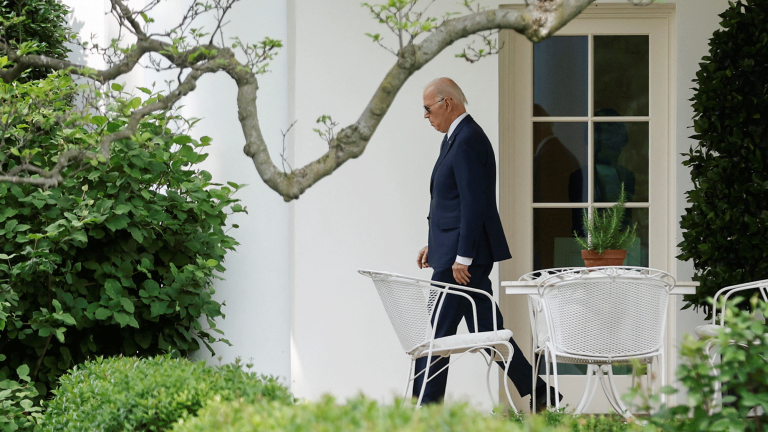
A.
x: 607, y: 312
x: 409, y: 304
x: 724, y: 295
x: 539, y: 332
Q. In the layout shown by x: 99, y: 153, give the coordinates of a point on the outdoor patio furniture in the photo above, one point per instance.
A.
x: 411, y: 303
x: 539, y: 330
x: 710, y: 331
x: 602, y: 316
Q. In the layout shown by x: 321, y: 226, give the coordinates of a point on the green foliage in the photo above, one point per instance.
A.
x: 361, y: 414
x: 605, y: 230
x: 19, y: 403
x: 725, y: 229
x: 150, y: 394
x: 118, y: 259
x: 35, y: 27
x: 742, y: 371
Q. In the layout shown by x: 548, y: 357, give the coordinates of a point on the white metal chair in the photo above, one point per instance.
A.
x: 710, y: 331
x: 411, y: 303
x: 539, y: 330
x: 601, y: 316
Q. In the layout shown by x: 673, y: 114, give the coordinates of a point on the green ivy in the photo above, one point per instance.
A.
x: 725, y: 229
x: 130, y: 394
x: 118, y: 259
x: 37, y: 27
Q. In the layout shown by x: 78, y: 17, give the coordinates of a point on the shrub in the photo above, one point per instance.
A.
x: 150, y: 394
x: 36, y: 27
x: 19, y: 403
x: 725, y: 229
x: 361, y: 414
x: 118, y: 259
x: 742, y: 372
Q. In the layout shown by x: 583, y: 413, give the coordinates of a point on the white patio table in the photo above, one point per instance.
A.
x: 532, y: 288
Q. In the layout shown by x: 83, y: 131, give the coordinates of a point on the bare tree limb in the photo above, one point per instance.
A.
x: 539, y: 20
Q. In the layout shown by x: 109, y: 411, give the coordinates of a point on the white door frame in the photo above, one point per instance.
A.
x: 515, y: 154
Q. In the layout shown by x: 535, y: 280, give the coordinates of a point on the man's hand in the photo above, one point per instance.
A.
x: 422, y: 260
x: 461, y: 273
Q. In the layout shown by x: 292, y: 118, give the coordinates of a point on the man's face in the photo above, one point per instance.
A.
x: 439, y: 114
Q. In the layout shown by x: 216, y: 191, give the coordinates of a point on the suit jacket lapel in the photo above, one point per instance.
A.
x: 445, y: 148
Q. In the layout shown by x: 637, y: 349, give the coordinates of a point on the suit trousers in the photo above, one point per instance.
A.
x: 455, y: 308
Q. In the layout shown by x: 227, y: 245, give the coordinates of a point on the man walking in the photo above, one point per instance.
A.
x: 465, y: 232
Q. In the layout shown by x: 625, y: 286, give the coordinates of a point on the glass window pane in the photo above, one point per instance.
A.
x: 559, y: 153
x: 621, y: 156
x: 621, y: 75
x: 637, y: 254
x: 553, y: 241
x: 560, y: 76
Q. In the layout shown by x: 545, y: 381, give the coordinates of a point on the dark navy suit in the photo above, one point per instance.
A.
x: 464, y: 220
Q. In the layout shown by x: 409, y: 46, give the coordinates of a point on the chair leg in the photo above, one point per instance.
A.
x: 424, y: 380
x: 537, y: 362
x: 488, y: 375
x: 410, y: 374
x: 589, y: 389
x: 557, y: 385
x: 623, y: 410
x: 506, y: 378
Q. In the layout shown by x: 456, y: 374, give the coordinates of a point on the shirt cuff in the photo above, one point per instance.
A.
x: 463, y: 260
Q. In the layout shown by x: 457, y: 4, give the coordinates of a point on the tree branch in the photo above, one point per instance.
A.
x: 539, y: 20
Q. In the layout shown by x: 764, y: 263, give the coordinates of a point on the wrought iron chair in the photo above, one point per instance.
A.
x: 710, y: 331
x: 602, y: 316
x: 539, y: 329
x: 411, y: 303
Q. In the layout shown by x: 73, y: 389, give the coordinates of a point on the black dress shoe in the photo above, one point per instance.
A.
x: 541, y: 399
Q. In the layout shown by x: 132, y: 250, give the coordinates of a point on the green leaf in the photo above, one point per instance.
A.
x: 117, y: 222
x: 22, y: 371
x: 113, y: 288
x: 102, y: 314
x: 99, y: 120
x: 212, y: 263
x: 117, y: 87
x: 26, y: 404
x: 127, y: 305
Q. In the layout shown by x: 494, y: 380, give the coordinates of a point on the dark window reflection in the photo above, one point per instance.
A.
x: 560, y: 75
x: 559, y: 150
x: 621, y: 74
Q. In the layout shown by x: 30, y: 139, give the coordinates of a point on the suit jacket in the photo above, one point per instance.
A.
x: 463, y: 217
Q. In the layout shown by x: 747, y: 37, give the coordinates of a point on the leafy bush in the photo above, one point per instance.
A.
x: 118, y: 259
x: 151, y: 394
x: 725, y: 229
x: 35, y: 27
x: 19, y: 409
x: 361, y: 414
x: 742, y: 371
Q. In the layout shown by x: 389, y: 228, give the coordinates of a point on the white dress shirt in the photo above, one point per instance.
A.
x: 459, y: 259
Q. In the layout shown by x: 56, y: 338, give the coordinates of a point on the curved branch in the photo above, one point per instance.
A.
x: 538, y: 21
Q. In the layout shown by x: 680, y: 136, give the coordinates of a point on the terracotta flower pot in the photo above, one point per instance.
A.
x: 612, y: 257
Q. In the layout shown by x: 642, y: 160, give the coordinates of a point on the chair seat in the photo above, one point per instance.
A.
x: 462, y: 342
x: 577, y: 360
x: 707, y: 331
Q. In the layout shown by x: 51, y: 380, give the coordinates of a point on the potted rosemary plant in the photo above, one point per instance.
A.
x: 607, y: 240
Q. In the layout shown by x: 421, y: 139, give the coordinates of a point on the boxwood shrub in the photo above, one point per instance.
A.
x: 151, y: 394
x: 364, y: 415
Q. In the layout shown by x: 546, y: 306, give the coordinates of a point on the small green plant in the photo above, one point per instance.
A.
x: 742, y: 372
x: 20, y: 409
x: 605, y: 230
x: 130, y: 394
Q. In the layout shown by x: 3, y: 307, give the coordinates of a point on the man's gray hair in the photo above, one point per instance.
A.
x: 447, y: 88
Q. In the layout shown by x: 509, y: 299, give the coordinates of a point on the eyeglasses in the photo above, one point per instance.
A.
x: 427, y: 108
